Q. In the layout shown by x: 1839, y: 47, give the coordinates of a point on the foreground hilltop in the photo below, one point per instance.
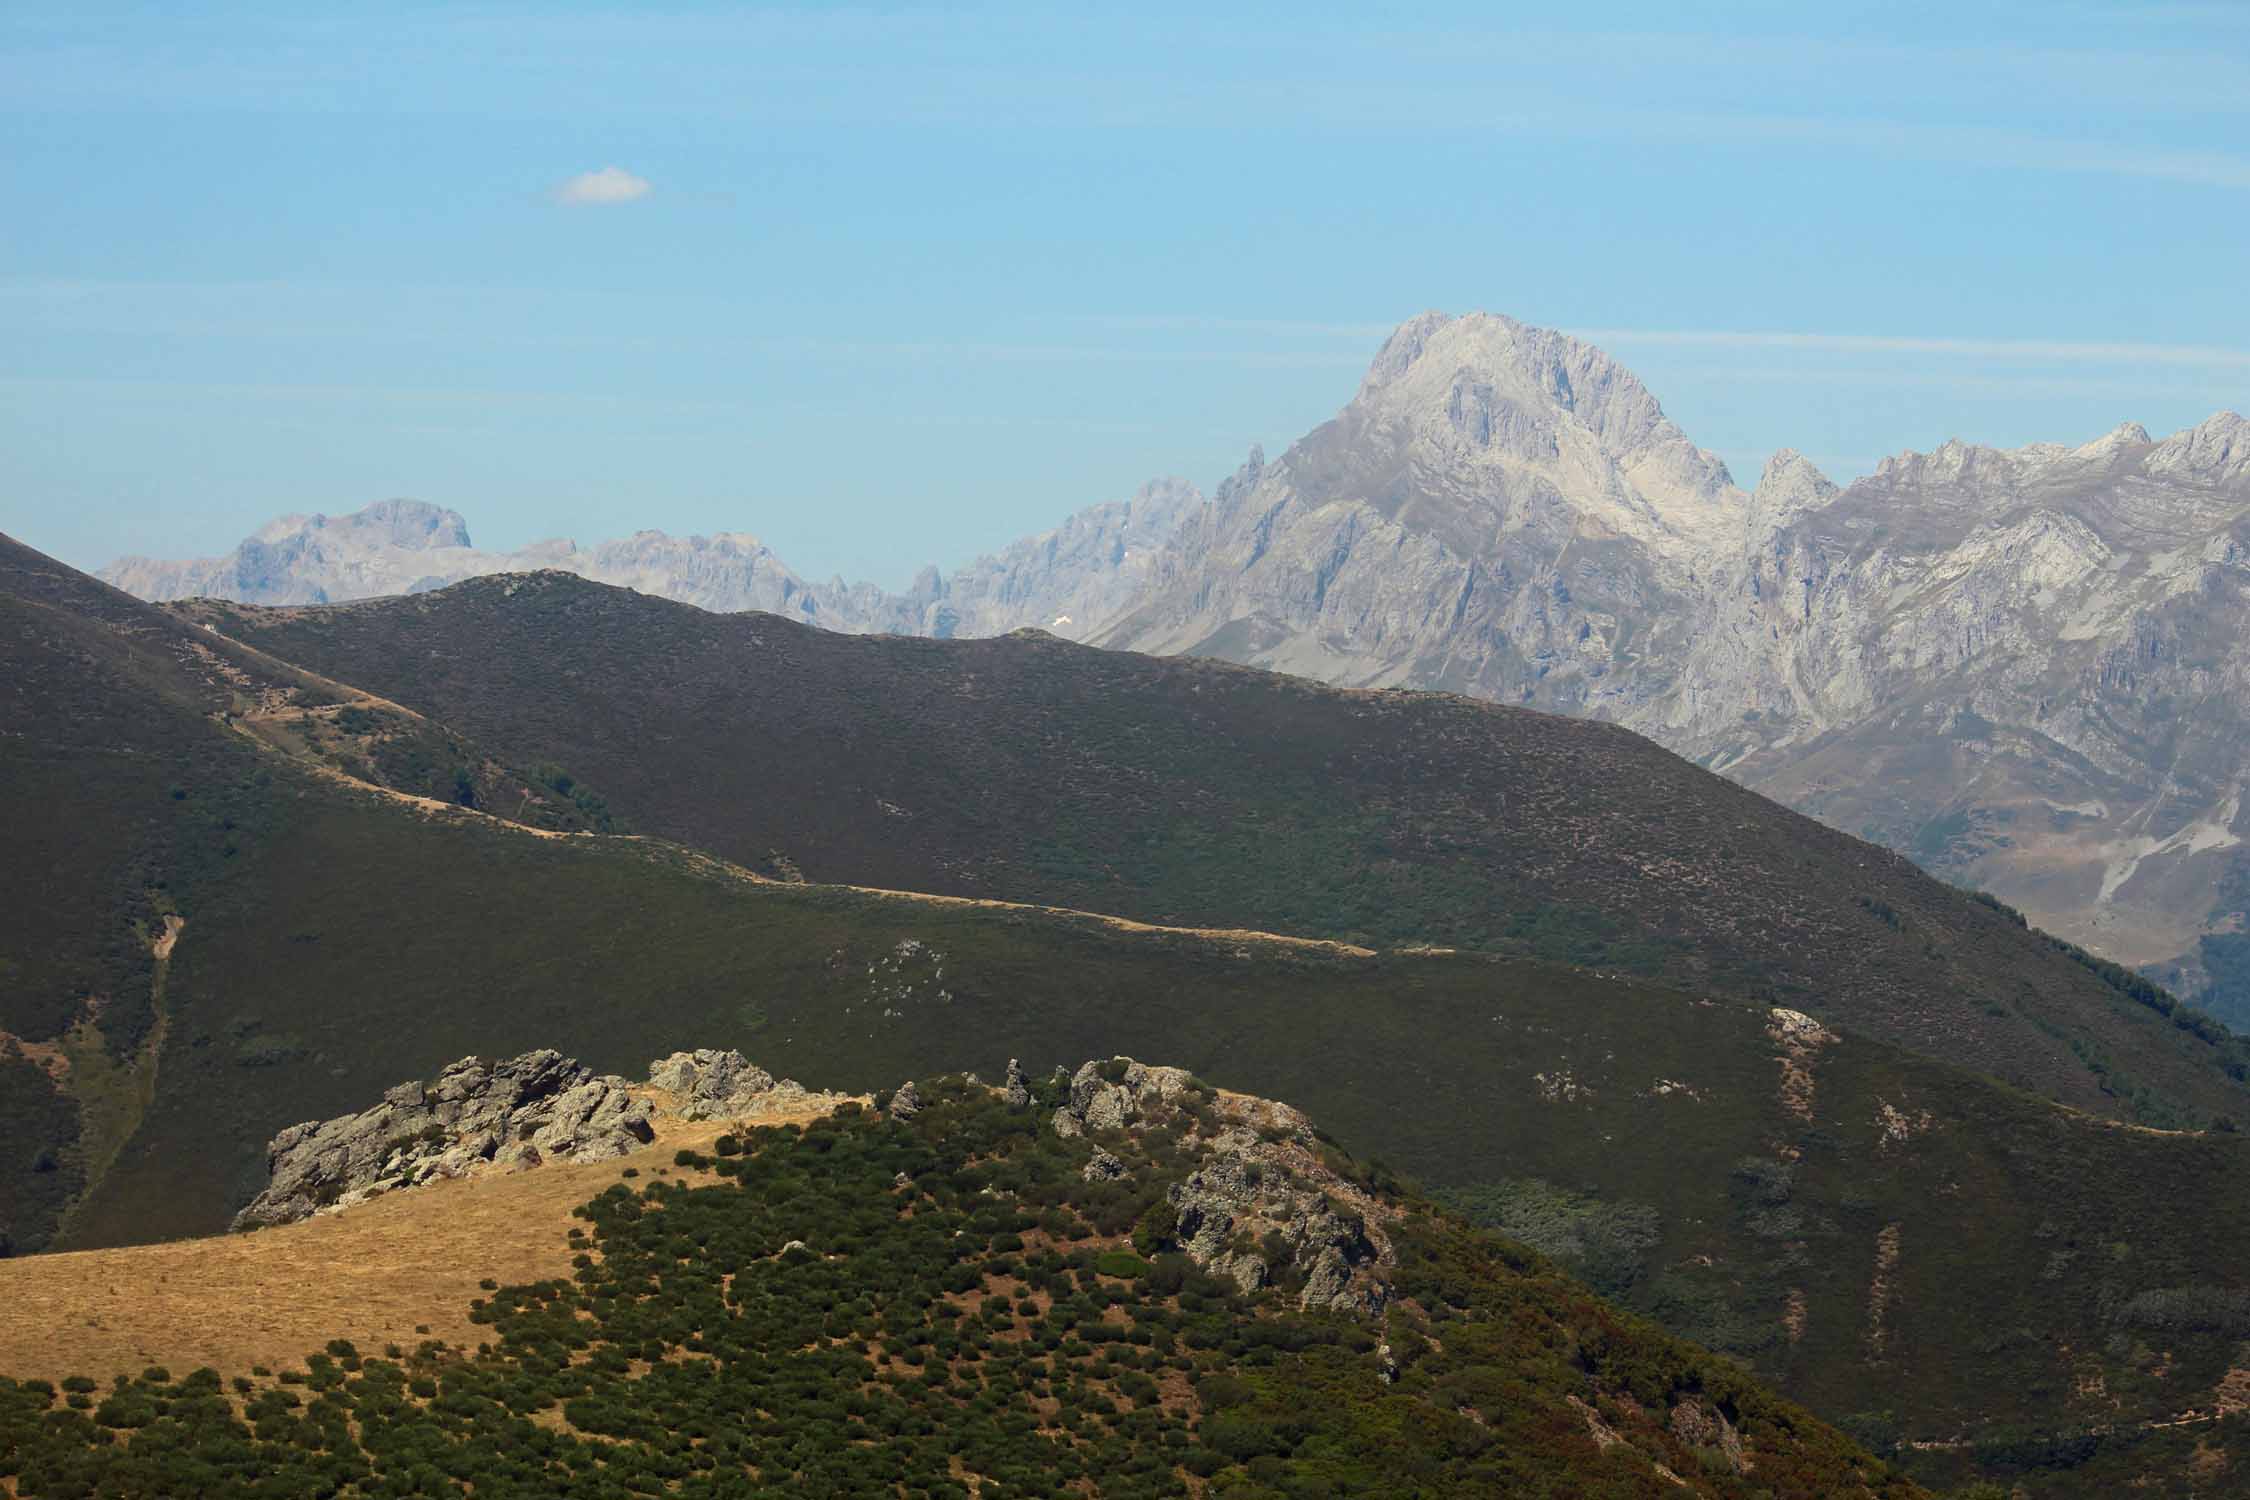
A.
x: 1118, y: 1276
x: 1189, y: 792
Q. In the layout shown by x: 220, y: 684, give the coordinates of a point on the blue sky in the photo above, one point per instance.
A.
x: 907, y: 282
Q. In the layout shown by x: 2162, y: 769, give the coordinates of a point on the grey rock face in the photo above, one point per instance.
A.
x: 1099, y: 1101
x: 1259, y: 1199
x: 474, y: 1116
x: 1018, y: 1087
x: 1699, y: 1424
x: 2024, y: 668
x: 907, y: 1102
x: 1103, y: 1167
x: 1065, y: 581
x: 713, y: 1085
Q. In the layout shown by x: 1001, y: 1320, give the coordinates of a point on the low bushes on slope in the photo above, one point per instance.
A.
x: 940, y: 1308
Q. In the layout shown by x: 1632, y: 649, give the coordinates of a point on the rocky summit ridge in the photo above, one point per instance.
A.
x: 1068, y: 579
x: 477, y: 1117
x: 2023, y: 667
x: 1257, y: 1197
x: 1252, y: 1197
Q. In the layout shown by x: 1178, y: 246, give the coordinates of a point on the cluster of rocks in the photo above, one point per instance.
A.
x: 522, y: 1112
x: 1100, y: 1101
x: 480, y: 1116
x: 1259, y: 1203
x: 708, y: 1085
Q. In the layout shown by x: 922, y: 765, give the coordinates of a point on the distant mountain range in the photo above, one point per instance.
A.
x: 1086, y: 571
x: 2021, y: 667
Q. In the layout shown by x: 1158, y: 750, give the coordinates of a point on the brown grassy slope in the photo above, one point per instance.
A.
x: 375, y: 1274
x: 1191, y: 792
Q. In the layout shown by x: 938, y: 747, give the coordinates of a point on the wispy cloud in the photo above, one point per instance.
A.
x: 610, y: 185
x: 2035, y: 351
x: 1201, y: 323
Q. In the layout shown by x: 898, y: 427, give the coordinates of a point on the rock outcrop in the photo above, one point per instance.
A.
x: 709, y: 1085
x: 474, y: 1116
x: 1260, y: 1205
x: 495, y: 1117
x: 713, y: 1085
x: 1111, y: 1095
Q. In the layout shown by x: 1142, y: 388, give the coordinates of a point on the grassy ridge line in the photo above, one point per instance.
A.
x: 1191, y: 793
x: 362, y: 937
x: 710, y: 863
x: 128, y: 806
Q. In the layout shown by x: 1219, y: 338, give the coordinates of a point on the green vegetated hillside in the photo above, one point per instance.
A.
x: 138, y: 758
x: 1185, y: 791
x: 1913, y: 1250
x: 970, y: 1303
x: 1993, y: 1266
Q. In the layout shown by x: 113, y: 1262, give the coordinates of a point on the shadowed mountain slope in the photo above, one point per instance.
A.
x: 1897, y: 1242
x: 144, y: 761
x: 1187, y: 791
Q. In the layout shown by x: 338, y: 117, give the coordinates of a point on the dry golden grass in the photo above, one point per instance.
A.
x: 374, y: 1274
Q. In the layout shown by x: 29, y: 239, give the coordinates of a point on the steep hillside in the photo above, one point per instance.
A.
x: 1190, y: 792
x: 2019, y: 667
x: 1900, y: 1244
x: 2024, y: 667
x: 985, y: 1295
x: 1500, y: 510
x: 145, y: 762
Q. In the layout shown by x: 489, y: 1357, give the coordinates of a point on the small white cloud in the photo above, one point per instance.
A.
x: 609, y: 185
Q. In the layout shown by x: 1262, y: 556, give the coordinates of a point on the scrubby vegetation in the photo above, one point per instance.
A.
x: 943, y: 1308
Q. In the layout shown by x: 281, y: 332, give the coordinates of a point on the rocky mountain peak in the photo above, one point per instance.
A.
x: 1790, y: 486
x: 1790, y: 472
x: 1956, y: 463
x: 1401, y: 350
x: 1463, y: 423
x: 2216, y: 451
x: 2124, y: 436
x: 409, y: 523
x: 404, y: 525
